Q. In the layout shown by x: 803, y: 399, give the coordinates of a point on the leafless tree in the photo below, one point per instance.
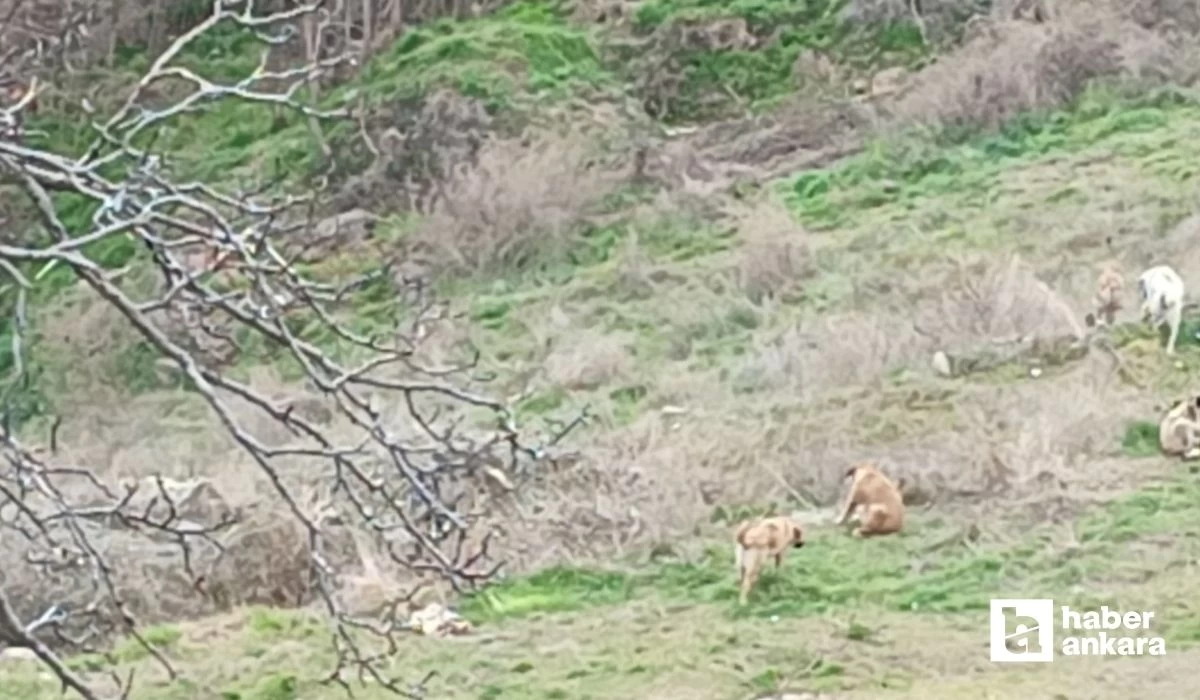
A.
x: 395, y: 481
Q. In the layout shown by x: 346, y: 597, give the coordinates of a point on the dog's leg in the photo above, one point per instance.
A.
x: 750, y: 578
x: 867, y: 521
x: 1110, y: 313
x: 1191, y: 438
x: 1174, y: 318
x: 778, y: 560
x: 873, y: 523
x: 846, y: 509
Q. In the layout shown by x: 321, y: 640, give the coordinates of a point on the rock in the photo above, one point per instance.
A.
x: 195, y: 501
x: 941, y: 364
x: 18, y: 655
x: 434, y: 620
x: 888, y: 81
x: 499, y: 477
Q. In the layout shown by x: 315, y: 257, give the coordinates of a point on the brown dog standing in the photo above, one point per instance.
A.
x: 759, y: 538
x: 878, y: 501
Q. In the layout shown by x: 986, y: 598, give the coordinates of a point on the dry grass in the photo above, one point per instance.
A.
x: 266, y: 559
x: 989, y: 301
x: 524, y: 200
x: 1009, y: 67
x: 775, y: 255
x: 807, y: 398
x: 587, y: 359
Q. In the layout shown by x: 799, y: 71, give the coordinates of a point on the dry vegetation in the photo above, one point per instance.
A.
x: 728, y: 355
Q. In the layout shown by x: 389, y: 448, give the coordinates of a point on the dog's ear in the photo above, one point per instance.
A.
x: 851, y: 472
x: 1090, y: 320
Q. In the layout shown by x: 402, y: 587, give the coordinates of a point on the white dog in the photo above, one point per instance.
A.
x: 1161, y: 289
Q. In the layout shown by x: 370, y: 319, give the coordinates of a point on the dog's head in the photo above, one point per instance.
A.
x: 797, y: 534
x: 1193, y: 408
x: 860, y: 469
x: 1188, y: 408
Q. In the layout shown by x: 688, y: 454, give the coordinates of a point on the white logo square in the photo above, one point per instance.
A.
x: 1022, y: 630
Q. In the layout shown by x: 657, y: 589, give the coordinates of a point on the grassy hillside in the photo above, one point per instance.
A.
x: 739, y: 340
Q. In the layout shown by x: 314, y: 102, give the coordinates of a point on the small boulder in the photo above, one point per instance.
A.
x: 941, y: 364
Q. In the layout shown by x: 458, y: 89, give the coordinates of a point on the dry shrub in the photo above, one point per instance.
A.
x: 1036, y: 440
x: 175, y: 436
x: 942, y: 19
x: 1008, y: 67
x: 774, y: 258
x: 835, y: 351
x: 645, y: 483
x: 1175, y: 248
x: 987, y: 303
x: 524, y: 199
x: 413, y: 144
x: 586, y: 359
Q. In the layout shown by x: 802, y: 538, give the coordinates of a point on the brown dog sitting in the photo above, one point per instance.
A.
x: 759, y: 538
x: 876, y: 499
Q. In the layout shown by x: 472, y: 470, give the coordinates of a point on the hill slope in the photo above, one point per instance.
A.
x: 745, y: 308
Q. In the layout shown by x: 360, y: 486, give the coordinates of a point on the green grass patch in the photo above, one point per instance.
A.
x: 526, y: 46
x: 157, y: 636
x: 1140, y: 439
x: 714, y: 82
x: 557, y: 589
x: 966, y: 168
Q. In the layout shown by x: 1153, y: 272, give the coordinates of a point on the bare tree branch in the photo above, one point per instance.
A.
x: 402, y: 481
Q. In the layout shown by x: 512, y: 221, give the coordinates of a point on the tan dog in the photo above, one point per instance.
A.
x: 1179, y: 429
x: 759, y: 538
x: 876, y: 499
x: 1107, y: 302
